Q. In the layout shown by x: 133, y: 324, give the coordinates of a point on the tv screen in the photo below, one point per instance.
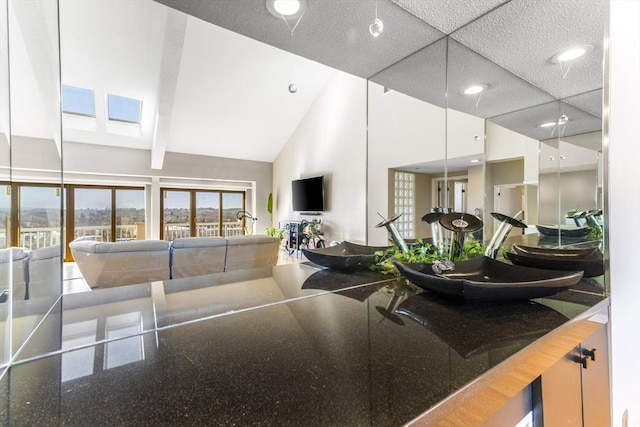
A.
x: 308, y: 194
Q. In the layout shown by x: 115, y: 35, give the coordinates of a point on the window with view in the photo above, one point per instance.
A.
x: 201, y: 213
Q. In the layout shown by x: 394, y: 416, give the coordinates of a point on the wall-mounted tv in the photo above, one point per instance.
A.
x: 308, y: 194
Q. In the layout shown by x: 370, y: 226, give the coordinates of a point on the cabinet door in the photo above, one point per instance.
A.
x: 562, y: 393
x: 595, y: 381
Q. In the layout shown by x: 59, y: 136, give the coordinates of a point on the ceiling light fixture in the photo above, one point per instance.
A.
x: 287, y: 9
x: 377, y: 26
x: 475, y: 89
x: 571, y: 54
x: 475, y: 160
x: 293, y: 88
x: 547, y: 124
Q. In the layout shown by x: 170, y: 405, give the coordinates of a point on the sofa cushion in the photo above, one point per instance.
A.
x: 198, y: 242
x: 252, y: 251
x: 95, y: 246
x: 197, y: 256
x: 45, y: 272
x: 107, y: 264
x: 15, y: 261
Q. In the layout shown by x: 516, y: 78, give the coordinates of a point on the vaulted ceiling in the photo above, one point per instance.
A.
x: 214, y: 74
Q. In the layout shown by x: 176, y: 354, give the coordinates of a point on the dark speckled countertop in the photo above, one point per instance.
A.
x: 292, y: 345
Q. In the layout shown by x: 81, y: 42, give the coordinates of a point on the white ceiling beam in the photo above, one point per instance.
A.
x: 39, y: 29
x: 174, y: 35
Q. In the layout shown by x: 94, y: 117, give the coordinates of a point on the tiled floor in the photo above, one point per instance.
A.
x: 73, y: 281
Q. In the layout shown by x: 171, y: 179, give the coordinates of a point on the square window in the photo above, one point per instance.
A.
x: 79, y: 101
x: 122, y: 109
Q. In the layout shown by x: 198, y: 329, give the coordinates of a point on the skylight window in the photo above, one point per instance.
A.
x: 122, y: 109
x: 79, y: 101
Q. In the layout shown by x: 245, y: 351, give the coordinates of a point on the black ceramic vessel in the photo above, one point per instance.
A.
x: 564, y: 232
x: 484, y: 279
x: 345, y: 256
x: 589, y: 260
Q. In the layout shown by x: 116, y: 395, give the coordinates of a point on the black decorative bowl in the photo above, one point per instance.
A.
x: 484, y: 279
x: 589, y: 260
x: 564, y: 231
x: 345, y: 256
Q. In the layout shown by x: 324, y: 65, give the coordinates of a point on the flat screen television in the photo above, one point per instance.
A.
x: 308, y: 194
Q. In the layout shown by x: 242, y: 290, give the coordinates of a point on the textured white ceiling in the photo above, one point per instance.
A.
x: 448, y: 15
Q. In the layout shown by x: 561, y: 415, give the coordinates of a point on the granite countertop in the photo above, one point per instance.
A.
x: 291, y: 345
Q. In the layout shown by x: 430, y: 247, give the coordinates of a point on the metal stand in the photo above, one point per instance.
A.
x: 395, y: 235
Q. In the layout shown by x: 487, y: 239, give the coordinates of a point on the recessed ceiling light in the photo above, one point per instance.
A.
x: 293, y: 88
x: 286, y: 9
x: 475, y: 89
x: 475, y: 161
x: 547, y: 124
x: 571, y: 53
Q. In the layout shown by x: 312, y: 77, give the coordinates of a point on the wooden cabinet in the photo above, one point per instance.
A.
x: 575, y: 390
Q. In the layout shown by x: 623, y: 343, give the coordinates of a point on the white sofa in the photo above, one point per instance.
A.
x: 140, y: 261
x: 109, y: 264
x: 196, y: 256
x: 45, y: 272
x: 245, y: 252
x: 13, y: 273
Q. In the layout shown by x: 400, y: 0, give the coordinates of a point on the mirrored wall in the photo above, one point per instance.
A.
x: 527, y: 144
x: 489, y: 119
x: 31, y: 233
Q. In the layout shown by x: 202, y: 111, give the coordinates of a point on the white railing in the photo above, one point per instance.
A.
x: 34, y: 238
x: 203, y: 229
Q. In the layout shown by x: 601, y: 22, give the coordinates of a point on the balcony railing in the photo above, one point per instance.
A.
x: 34, y: 238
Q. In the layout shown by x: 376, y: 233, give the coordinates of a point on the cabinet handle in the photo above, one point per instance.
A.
x: 581, y: 360
x: 589, y: 353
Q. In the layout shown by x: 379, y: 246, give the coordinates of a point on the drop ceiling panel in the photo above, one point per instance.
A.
x: 527, y: 121
x: 505, y: 91
x: 421, y: 75
x: 448, y: 15
x: 332, y: 32
x: 523, y: 35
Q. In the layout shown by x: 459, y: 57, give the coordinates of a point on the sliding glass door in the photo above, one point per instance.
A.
x: 200, y: 213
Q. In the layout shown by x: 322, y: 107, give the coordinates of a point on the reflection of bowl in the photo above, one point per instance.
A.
x: 474, y: 329
x: 563, y: 231
x: 485, y: 279
x: 589, y: 260
x: 345, y: 256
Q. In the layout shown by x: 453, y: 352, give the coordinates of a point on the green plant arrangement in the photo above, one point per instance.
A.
x: 595, y: 233
x: 421, y: 252
x: 270, y: 204
x: 275, y: 232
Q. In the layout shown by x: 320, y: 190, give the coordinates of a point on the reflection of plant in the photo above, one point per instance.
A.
x: 421, y: 252
x: 312, y: 230
x: 595, y: 233
x: 274, y: 232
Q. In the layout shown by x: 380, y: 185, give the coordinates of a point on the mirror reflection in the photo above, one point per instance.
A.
x: 31, y: 207
x: 537, y: 124
x: 452, y: 121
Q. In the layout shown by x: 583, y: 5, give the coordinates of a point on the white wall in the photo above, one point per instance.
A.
x: 402, y: 131
x: 505, y: 144
x: 329, y: 141
x: 624, y: 204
